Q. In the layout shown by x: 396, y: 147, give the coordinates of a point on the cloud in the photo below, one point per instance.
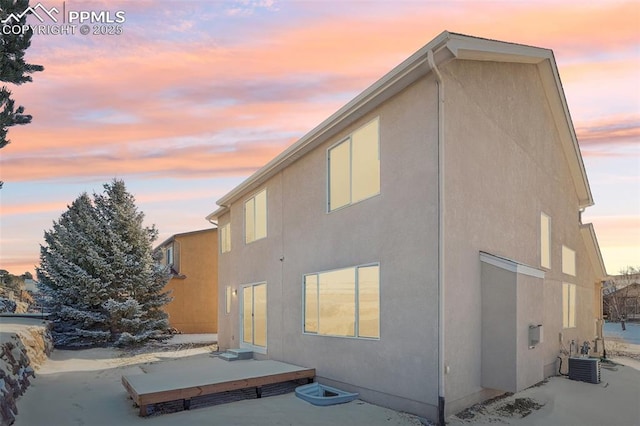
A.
x: 19, y: 265
x: 189, y: 162
x: 612, y: 136
x: 98, y: 108
x: 31, y: 208
x: 618, y: 231
x: 249, y: 7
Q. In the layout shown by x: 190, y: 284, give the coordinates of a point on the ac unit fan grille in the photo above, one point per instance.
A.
x: 584, y: 369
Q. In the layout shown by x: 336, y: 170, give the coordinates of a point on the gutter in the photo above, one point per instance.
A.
x: 441, y: 252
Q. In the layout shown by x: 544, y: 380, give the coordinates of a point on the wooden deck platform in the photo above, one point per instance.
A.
x: 184, y: 384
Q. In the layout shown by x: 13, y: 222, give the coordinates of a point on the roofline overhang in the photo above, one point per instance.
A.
x: 593, y: 249
x: 172, y: 238
x: 445, y: 47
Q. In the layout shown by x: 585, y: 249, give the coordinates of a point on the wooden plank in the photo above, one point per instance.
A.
x: 132, y: 392
x: 190, y: 392
x: 175, y: 385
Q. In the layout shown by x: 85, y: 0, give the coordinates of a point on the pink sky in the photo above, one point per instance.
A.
x: 196, y: 95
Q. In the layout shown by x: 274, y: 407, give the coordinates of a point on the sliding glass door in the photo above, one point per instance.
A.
x: 254, y: 315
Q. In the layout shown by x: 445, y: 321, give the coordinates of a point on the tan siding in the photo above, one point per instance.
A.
x: 194, y: 308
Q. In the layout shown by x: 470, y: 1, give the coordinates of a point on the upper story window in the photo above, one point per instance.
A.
x: 354, y: 167
x: 169, y: 256
x: 225, y: 238
x: 255, y: 217
x: 568, y: 261
x: 545, y: 241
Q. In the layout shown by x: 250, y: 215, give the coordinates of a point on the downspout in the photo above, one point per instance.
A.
x: 441, y: 264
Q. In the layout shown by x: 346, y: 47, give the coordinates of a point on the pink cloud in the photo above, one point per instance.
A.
x: 618, y: 231
x: 168, y: 91
x: 614, y: 136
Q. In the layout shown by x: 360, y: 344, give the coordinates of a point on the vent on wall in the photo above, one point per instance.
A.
x: 584, y: 369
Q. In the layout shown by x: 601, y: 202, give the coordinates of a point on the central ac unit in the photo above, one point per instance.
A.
x: 584, y: 369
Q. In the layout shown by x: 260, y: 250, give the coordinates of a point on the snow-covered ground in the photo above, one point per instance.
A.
x: 630, y: 335
x: 84, y: 388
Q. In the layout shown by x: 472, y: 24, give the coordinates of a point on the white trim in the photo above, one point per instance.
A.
x: 511, y: 265
x: 549, y: 244
x: 569, y: 265
x: 446, y: 46
x: 266, y: 215
x: 593, y: 249
x: 241, y: 342
x: 356, y: 325
x: 228, y: 300
x: 225, y: 238
x: 349, y: 138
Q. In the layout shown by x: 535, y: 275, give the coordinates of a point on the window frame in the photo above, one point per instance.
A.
x: 569, y: 305
x: 545, y: 261
x: 169, y: 256
x: 225, y: 238
x: 356, y: 303
x: 349, y: 139
x: 266, y: 211
x: 228, y: 301
x: 568, y: 254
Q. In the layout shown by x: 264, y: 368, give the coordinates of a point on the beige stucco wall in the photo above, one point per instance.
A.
x: 397, y: 228
x: 504, y: 166
x: 499, y: 311
x: 194, y: 308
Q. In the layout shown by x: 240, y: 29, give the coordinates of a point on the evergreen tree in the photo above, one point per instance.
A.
x: 71, y: 279
x: 13, y: 67
x: 98, y: 274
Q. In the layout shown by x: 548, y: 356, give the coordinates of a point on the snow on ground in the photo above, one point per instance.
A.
x: 559, y: 401
x: 84, y: 388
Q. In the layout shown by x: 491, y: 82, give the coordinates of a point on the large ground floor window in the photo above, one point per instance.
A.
x: 343, y: 302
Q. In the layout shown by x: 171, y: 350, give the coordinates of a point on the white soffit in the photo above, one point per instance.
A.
x: 511, y: 265
x: 593, y: 248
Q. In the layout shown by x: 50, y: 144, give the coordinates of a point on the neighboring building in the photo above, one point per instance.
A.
x: 622, y: 298
x: 410, y: 246
x: 31, y: 285
x: 193, y: 257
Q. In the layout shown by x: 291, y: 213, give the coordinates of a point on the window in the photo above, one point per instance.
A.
x: 227, y: 300
x: 354, y: 167
x: 343, y: 302
x: 568, y: 261
x: 169, y: 255
x: 172, y: 256
x: 255, y: 217
x: 568, y: 305
x: 545, y: 241
x: 225, y: 238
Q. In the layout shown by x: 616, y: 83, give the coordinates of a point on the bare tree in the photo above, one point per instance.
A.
x: 618, y: 293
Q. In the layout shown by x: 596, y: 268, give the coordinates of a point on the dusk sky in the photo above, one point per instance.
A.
x: 194, y: 96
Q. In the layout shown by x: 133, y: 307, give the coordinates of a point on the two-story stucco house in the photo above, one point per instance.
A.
x: 423, y: 245
x: 193, y: 259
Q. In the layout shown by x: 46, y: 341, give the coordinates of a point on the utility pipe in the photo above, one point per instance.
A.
x: 441, y: 252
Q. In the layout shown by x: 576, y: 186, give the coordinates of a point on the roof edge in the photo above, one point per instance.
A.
x: 593, y: 248
x: 182, y: 234
x: 446, y: 46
